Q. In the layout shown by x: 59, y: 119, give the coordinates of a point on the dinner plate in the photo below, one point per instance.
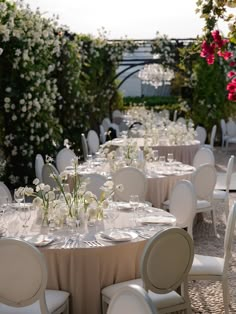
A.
x: 39, y: 240
x: 117, y: 235
x: 157, y: 220
x: 20, y: 205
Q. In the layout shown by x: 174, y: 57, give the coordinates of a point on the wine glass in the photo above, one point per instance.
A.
x: 24, y: 215
x: 155, y: 155
x: 134, y: 202
x: 19, y: 196
x: 170, y: 157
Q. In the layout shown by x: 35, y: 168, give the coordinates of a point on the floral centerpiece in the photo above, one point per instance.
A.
x: 70, y: 199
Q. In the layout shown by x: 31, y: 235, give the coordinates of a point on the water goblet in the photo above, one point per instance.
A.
x: 170, y: 157
x: 134, y: 203
x: 155, y: 155
x: 24, y: 215
x: 162, y: 160
x: 19, y: 195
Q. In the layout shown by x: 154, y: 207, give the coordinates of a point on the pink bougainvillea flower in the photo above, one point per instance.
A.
x: 232, y: 63
x: 231, y: 87
x: 232, y: 97
x: 231, y: 74
x: 225, y: 54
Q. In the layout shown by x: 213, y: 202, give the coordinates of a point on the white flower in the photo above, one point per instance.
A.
x: 28, y: 191
x: 36, y: 181
x: 37, y: 202
x: 51, y: 196
x: 46, y: 188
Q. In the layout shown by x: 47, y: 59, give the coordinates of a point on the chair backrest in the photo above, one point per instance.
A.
x: 133, y: 181
x: 231, y: 128
x: 64, y: 158
x: 131, y: 299
x: 229, y: 234
x: 201, y: 134
x: 223, y: 127
x: 102, y: 134
x: 84, y: 146
x: 117, y: 116
x: 106, y: 123
x: 93, y: 141
x: 23, y: 274
x: 166, y: 260
x: 5, y: 192
x: 229, y: 172
x: 175, y: 115
x: 96, y: 181
x: 47, y: 171
x: 183, y: 203
x: 39, y: 162
x: 213, y: 135
x: 203, y: 156
x: 204, y: 180
x: 181, y: 120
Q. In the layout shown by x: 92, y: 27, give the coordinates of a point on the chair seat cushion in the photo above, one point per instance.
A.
x: 54, y: 299
x: 206, y: 266
x: 219, y: 195
x: 203, y: 204
x: 160, y: 300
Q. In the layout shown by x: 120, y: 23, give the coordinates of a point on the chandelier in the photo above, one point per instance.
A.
x: 155, y: 75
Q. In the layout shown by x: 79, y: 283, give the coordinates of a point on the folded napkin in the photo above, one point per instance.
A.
x: 157, y: 220
x: 117, y: 235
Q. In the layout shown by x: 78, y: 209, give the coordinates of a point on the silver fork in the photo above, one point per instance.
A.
x: 93, y: 243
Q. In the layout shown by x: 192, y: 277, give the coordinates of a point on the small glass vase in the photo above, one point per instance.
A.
x: 45, y: 219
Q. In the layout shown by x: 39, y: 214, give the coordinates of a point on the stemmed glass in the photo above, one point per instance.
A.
x: 134, y: 203
x: 170, y: 157
x: 19, y: 196
x: 156, y: 155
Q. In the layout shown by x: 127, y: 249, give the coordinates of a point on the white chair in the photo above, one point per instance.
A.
x: 64, y: 158
x: 203, y: 156
x: 132, y: 299
x: 133, y: 181
x: 106, y: 122
x: 212, y: 139
x: 175, y: 115
x: 5, y: 192
x: 223, y: 195
x: 181, y: 120
x: 93, y: 142
x: 215, y: 268
x: 102, y: 134
x: 183, y: 205
x: 47, y: 171
x: 231, y: 131
x: 117, y: 116
x: 39, y: 162
x: 201, y: 134
x: 204, y: 180
x: 165, y: 263
x: 224, y: 135
x: 23, y: 280
x: 96, y: 181
x: 84, y: 146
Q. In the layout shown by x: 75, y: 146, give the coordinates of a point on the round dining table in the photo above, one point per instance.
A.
x: 105, y: 253
x: 182, y: 152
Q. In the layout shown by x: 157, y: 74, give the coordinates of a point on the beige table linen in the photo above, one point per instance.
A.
x: 84, y: 272
x: 184, y: 153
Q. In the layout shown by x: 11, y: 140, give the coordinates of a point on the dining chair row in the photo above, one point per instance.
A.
x: 168, y: 262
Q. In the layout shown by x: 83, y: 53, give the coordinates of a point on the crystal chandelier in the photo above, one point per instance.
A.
x: 155, y: 75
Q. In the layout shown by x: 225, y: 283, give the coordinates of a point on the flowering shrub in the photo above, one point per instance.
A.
x: 53, y: 85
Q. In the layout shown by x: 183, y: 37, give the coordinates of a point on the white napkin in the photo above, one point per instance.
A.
x: 116, y: 235
x: 157, y: 219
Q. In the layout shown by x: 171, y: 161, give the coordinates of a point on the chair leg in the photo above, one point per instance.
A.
x: 213, y: 215
x: 226, y: 209
x: 104, y: 306
x: 225, y: 288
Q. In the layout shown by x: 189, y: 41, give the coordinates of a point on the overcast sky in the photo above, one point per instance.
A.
x: 135, y: 19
